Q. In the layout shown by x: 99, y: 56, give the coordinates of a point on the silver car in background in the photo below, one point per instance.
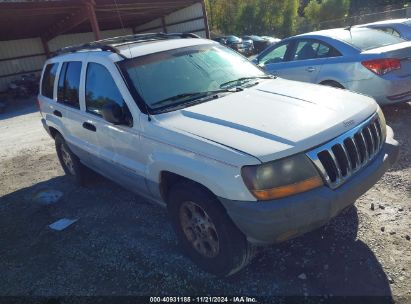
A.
x: 397, y: 27
x: 363, y: 60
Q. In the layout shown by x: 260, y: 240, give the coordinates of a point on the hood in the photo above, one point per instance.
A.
x: 274, y: 119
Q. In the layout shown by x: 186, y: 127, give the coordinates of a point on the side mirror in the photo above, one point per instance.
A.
x: 113, y: 113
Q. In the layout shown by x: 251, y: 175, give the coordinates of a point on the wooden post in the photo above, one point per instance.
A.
x: 93, y: 21
x: 207, y: 28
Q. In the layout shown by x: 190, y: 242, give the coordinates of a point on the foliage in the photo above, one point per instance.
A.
x: 317, y: 12
x: 282, y: 18
x: 253, y: 16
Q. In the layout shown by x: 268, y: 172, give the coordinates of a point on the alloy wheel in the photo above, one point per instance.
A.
x: 199, y: 229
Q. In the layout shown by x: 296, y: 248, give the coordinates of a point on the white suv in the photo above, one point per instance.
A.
x: 239, y: 158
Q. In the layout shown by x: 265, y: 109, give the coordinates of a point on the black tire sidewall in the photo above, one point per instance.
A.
x: 78, y: 167
x: 232, y: 242
x: 333, y: 84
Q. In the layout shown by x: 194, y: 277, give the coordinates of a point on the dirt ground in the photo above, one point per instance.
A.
x: 123, y: 245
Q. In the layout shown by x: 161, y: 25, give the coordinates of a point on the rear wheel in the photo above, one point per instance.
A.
x: 70, y: 162
x: 205, y: 232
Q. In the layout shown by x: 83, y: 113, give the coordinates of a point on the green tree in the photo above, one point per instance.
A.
x: 289, y: 25
x: 326, y: 10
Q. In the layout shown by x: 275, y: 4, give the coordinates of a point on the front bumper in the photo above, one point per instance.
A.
x: 278, y: 220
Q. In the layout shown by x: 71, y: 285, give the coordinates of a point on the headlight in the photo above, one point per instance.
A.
x: 281, y: 178
x: 383, y: 123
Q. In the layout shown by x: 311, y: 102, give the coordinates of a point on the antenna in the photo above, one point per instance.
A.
x: 348, y: 28
x: 131, y: 55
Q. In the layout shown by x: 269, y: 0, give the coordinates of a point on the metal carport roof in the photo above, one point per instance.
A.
x: 48, y: 19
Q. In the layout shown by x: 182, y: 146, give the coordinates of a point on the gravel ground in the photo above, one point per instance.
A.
x: 123, y: 245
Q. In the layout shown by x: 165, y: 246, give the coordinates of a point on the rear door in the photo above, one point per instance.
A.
x: 301, y: 60
x: 68, y: 101
x: 308, y: 58
x: 304, y: 64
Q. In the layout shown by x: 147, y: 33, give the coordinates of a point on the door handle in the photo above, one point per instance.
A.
x: 57, y: 113
x: 310, y: 69
x: 89, y: 127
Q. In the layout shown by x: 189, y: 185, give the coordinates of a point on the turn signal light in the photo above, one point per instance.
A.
x: 288, y: 190
x: 382, y: 66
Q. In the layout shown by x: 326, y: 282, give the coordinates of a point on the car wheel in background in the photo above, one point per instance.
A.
x: 331, y: 83
x: 205, y: 232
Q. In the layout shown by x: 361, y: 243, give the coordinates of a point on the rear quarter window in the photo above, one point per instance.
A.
x: 49, y: 76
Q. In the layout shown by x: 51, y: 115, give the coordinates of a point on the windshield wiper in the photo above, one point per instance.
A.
x: 194, y: 95
x: 239, y: 81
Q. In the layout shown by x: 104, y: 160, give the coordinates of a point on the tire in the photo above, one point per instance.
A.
x: 69, y: 162
x: 205, y: 232
x: 332, y: 84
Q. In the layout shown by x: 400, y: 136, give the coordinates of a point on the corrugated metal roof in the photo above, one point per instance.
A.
x: 22, y: 19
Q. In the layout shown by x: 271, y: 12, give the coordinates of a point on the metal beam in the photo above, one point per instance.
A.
x: 45, y: 47
x: 41, y: 5
x: 207, y: 28
x: 66, y: 24
x: 93, y: 21
x: 163, y: 24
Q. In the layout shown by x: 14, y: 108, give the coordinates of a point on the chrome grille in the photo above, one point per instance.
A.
x: 344, y: 156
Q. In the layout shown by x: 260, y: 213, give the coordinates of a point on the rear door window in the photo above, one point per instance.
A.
x: 312, y: 49
x: 49, y: 76
x: 69, y: 84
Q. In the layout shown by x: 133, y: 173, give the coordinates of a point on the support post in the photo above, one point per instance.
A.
x: 163, y: 24
x: 207, y: 28
x: 45, y: 47
x: 93, y: 21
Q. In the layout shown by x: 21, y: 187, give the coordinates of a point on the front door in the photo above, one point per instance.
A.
x: 120, y: 158
x: 275, y: 60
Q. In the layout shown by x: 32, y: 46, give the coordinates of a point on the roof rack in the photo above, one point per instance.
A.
x: 111, y: 44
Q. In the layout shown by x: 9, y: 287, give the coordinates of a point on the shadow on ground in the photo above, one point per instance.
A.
x: 16, y: 107
x: 123, y: 245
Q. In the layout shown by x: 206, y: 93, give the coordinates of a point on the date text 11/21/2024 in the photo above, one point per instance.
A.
x: 239, y: 299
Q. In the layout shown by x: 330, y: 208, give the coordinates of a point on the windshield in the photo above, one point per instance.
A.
x: 167, y: 78
x: 367, y: 39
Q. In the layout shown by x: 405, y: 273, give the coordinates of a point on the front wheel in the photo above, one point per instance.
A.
x: 205, y: 231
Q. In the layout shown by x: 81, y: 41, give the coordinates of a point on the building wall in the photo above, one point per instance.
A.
x: 10, y: 51
x: 34, y: 49
x: 177, y: 22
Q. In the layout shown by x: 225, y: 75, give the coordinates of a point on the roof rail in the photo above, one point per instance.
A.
x: 111, y: 44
